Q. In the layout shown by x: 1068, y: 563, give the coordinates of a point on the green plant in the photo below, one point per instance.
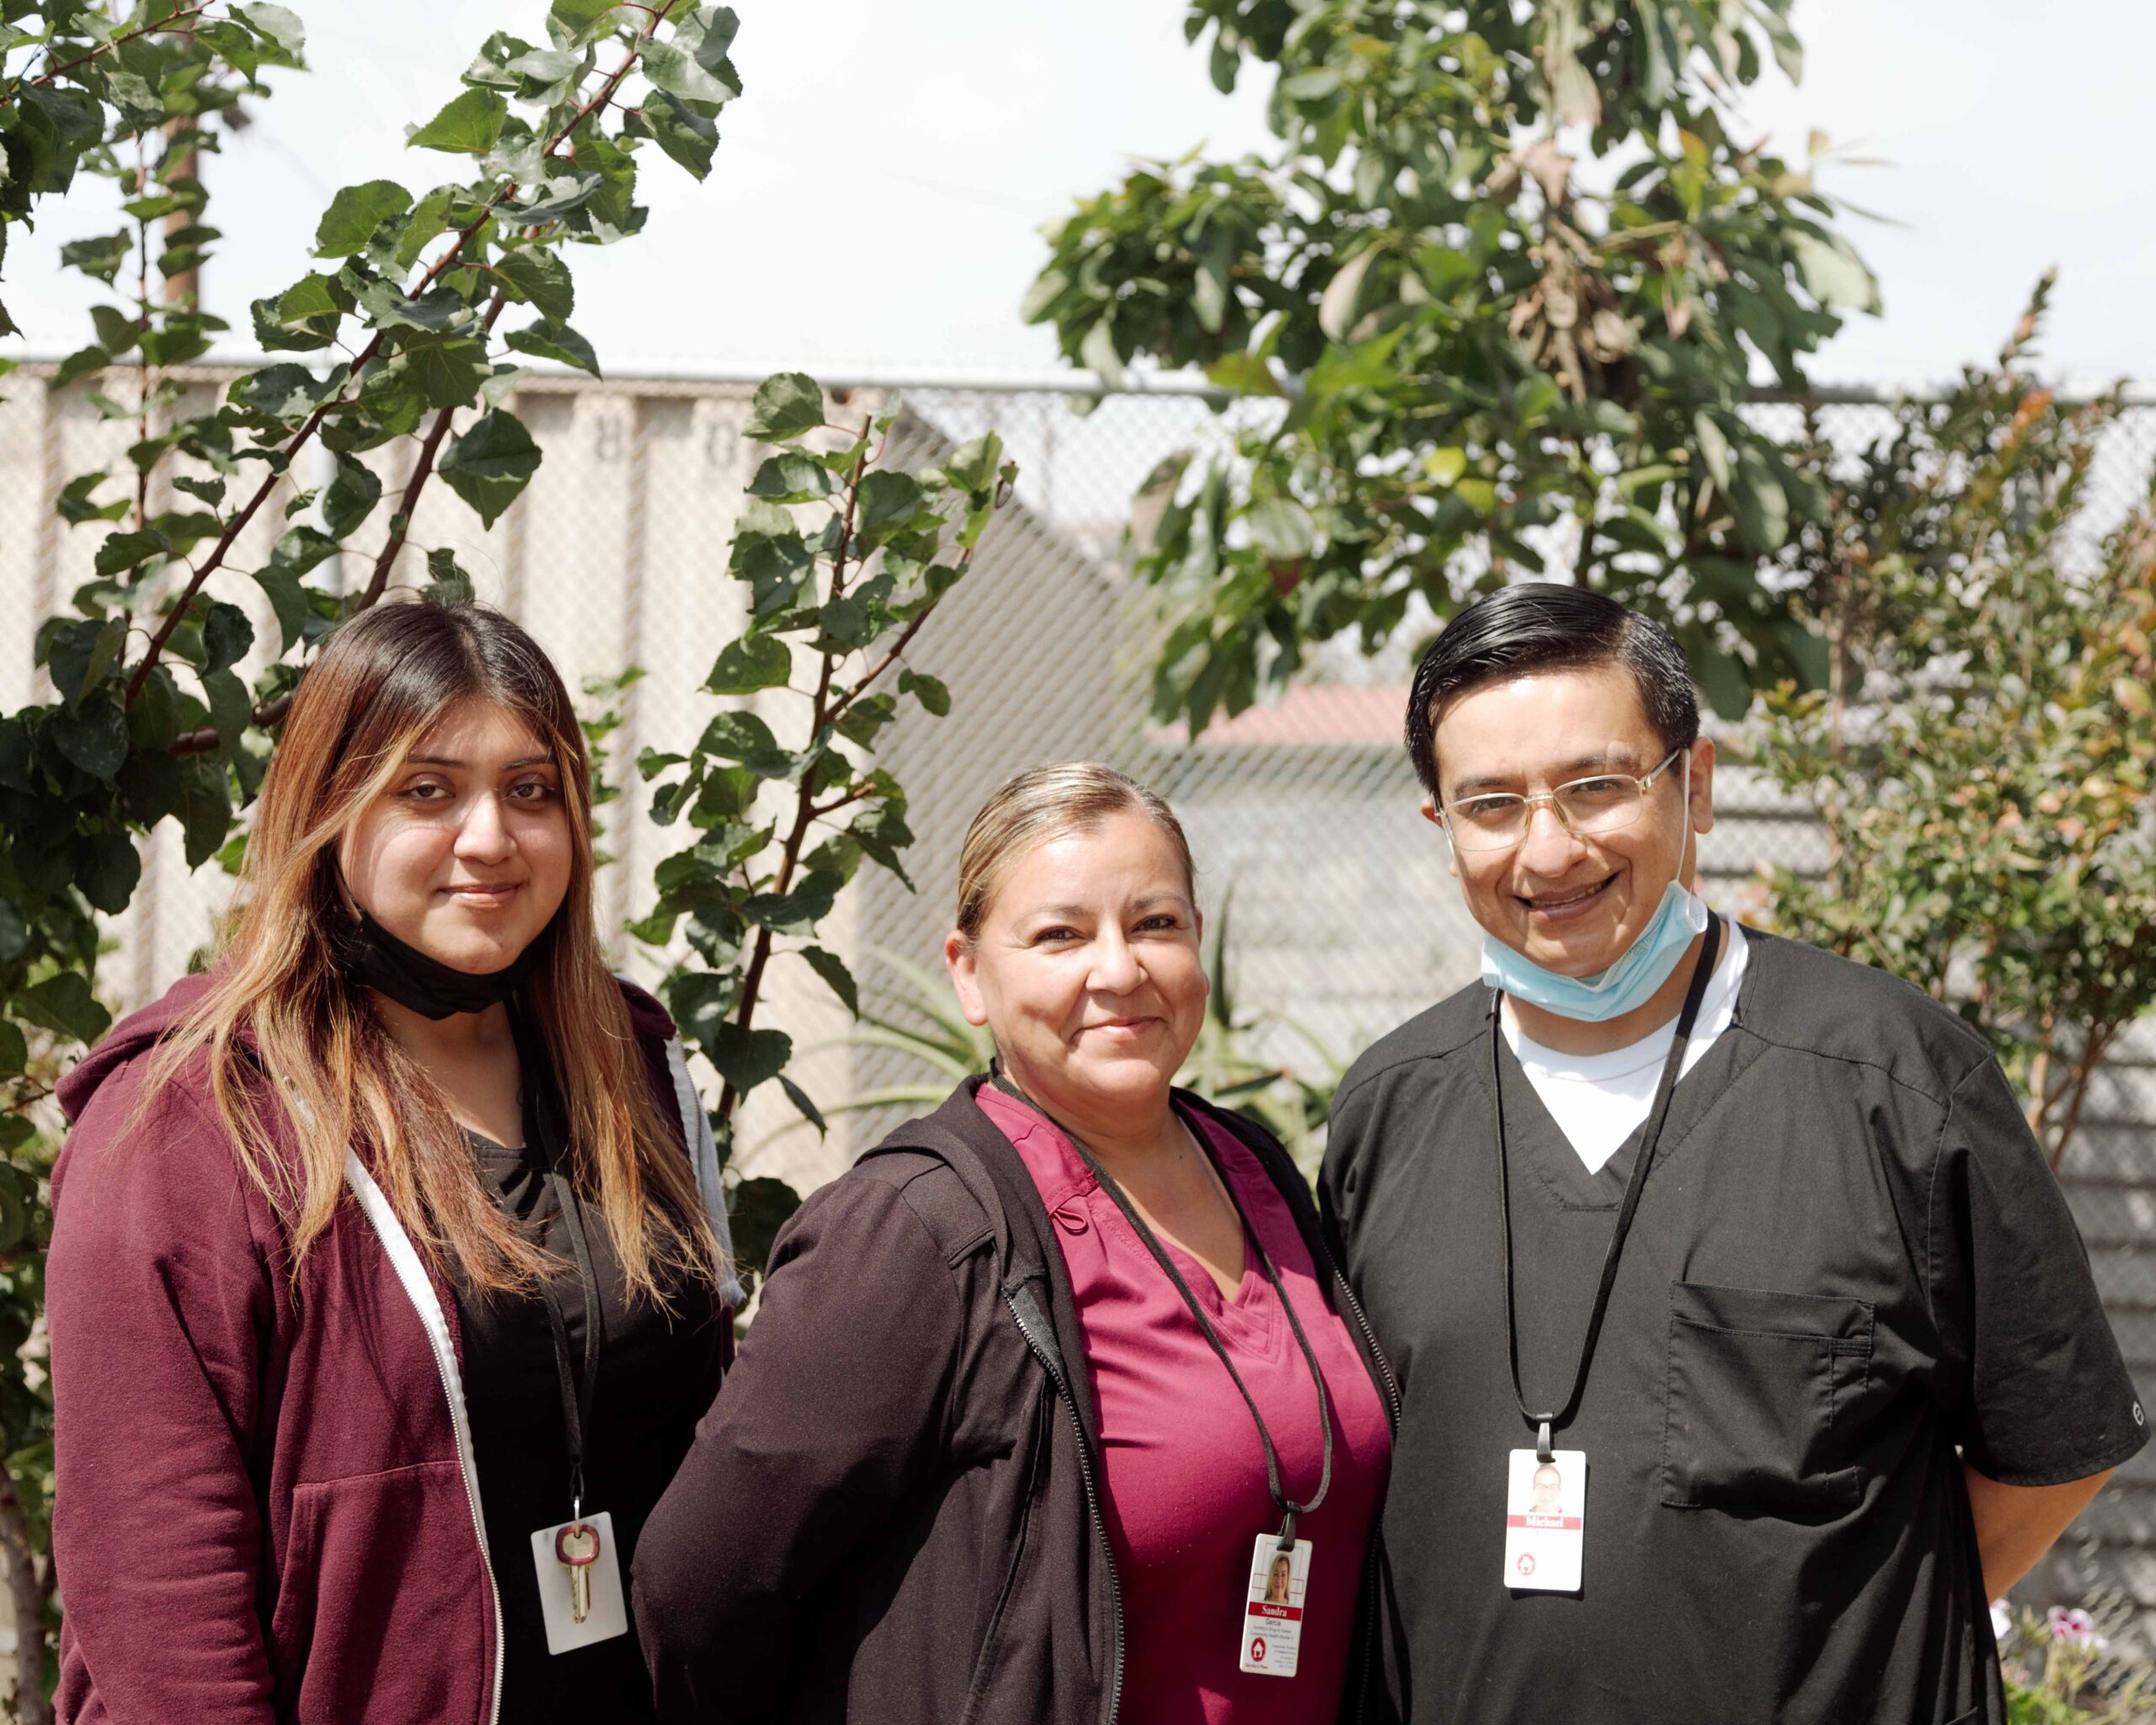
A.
x: 411, y: 331
x: 2058, y: 1672
x: 1288, y: 1101
x: 1984, y: 754
x: 1511, y: 266
x: 842, y: 559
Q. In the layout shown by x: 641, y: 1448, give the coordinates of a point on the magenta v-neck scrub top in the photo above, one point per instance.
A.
x: 1185, y: 1470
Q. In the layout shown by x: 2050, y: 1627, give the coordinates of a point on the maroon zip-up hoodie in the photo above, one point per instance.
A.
x: 266, y: 1508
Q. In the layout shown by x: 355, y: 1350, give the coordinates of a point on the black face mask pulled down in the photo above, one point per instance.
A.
x: 376, y: 958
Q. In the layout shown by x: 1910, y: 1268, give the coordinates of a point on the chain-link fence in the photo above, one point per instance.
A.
x: 1343, y: 920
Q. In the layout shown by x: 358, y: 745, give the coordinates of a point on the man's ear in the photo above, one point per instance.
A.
x: 1452, y: 855
x: 965, y: 980
x: 1703, y: 785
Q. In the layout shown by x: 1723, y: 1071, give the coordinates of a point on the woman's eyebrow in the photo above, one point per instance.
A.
x: 451, y: 761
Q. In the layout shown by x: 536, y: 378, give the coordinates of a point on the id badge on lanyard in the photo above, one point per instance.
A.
x: 1546, y: 1488
x: 577, y: 1561
x: 1269, y: 1616
x: 1273, y: 1614
x: 1545, y: 1521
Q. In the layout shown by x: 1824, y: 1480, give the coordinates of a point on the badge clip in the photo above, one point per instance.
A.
x: 1542, y: 1451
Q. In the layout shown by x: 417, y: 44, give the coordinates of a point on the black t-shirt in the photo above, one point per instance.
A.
x: 657, y: 1374
x: 1848, y: 1258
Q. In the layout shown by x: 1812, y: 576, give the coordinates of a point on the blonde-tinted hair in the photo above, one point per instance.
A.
x: 280, y: 1003
x: 1044, y: 803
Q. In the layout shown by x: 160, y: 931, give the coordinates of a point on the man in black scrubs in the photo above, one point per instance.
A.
x: 1750, y: 1241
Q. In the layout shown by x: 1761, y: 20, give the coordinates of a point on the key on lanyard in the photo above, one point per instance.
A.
x: 577, y: 1545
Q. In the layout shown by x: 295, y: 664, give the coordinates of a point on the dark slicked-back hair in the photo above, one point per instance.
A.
x: 1540, y: 626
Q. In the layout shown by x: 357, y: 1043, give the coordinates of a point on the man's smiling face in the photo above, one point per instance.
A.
x: 1573, y: 904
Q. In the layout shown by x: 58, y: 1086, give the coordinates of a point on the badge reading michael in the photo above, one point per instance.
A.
x: 1272, y: 1621
x: 1545, y: 1521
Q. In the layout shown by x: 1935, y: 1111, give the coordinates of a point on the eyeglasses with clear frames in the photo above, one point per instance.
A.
x: 1609, y: 802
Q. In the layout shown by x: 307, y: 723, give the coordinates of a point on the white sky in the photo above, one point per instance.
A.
x: 874, y: 206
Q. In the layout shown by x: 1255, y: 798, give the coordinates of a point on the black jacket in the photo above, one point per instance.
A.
x: 892, y: 1512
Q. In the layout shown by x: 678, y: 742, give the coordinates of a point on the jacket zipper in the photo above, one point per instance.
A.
x: 411, y: 1275
x: 1048, y: 1359
x: 454, y: 1394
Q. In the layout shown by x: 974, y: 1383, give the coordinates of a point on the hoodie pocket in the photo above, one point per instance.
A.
x: 1760, y: 1397
x: 383, y: 1613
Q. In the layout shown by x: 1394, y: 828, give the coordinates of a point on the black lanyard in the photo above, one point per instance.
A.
x: 543, y: 1127
x: 1702, y: 971
x: 1288, y: 1510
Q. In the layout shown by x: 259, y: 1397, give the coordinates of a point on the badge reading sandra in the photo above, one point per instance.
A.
x: 1546, y: 1521
x: 1272, y: 1616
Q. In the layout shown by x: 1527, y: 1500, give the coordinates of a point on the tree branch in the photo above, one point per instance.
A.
x: 164, y: 28
x: 423, y: 468
x: 805, y: 802
x: 312, y: 423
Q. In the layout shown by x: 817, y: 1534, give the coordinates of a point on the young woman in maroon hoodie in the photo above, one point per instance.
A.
x: 389, y: 1274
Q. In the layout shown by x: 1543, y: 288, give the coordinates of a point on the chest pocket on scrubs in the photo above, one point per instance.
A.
x: 1762, y: 1393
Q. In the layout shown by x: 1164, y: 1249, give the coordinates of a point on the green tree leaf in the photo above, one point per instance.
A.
x: 350, y: 498
x: 229, y: 707
x: 446, y: 374
x: 755, y: 1210
x: 491, y: 463
x: 94, y: 735
x: 469, y: 125
x: 64, y: 1005
x: 928, y: 691
x: 832, y: 968
x: 556, y: 342
x: 745, y: 738
x: 747, y: 1058
x: 113, y: 867
x: 280, y: 24
x: 686, y: 135
x: 784, y: 407
x: 538, y: 277
x: 82, y: 654
x: 226, y: 636
x: 749, y: 664
x: 288, y: 599
x: 354, y: 213
x: 580, y: 15
x: 122, y: 551
x: 799, y: 1097
x: 676, y: 73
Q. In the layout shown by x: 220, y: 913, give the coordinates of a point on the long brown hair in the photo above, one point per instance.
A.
x: 280, y: 1003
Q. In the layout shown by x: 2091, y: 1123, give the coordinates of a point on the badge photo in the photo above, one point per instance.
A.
x: 1272, y: 1608
x: 1545, y: 1521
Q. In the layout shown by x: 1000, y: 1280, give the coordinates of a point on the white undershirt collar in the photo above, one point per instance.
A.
x: 1599, y: 1100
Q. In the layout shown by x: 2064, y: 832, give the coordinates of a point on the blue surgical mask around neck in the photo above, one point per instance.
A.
x: 1625, y: 985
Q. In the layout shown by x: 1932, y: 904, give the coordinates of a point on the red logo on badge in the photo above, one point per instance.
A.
x: 1526, y: 1564
x: 1257, y: 1650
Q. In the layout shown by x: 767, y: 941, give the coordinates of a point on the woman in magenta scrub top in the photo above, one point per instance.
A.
x: 1041, y: 1393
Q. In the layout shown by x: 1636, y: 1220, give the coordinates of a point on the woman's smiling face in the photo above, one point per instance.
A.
x: 467, y: 855
x: 1087, y: 968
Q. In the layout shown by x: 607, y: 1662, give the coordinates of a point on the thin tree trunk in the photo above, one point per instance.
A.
x: 26, y: 1590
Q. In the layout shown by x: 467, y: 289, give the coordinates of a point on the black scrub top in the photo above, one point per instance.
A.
x: 657, y: 1376
x: 1848, y: 1258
